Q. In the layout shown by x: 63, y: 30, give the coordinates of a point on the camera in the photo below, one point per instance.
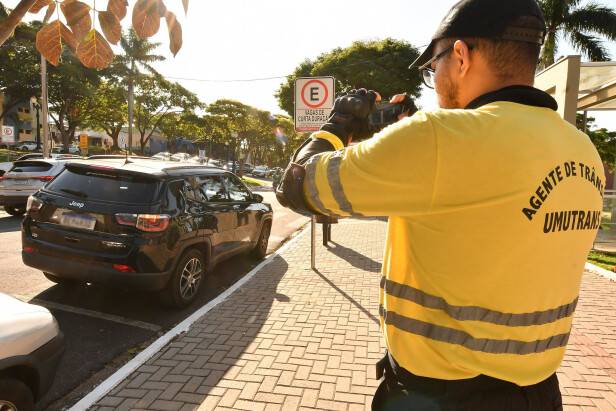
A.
x: 387, y: 113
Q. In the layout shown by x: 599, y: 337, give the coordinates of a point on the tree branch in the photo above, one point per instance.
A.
x: 8, y: 26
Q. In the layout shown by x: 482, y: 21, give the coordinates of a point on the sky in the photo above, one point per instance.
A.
x: 228, y: 40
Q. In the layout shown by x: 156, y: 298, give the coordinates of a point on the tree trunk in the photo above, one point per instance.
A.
x: 549, y: 50
x: 67, y: 135
x: 142, y: 142
x: 8, y: 26
x: 114, y: 136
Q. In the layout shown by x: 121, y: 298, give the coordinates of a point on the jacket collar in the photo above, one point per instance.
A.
x: 526, y: 95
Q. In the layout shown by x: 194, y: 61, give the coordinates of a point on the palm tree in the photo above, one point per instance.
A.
x: 138, y: 53
x: 582, y: 25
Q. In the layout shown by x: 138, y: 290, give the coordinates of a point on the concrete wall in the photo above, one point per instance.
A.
x: 562, y: 81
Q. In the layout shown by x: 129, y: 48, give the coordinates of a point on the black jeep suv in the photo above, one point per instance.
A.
x: 142, y: 223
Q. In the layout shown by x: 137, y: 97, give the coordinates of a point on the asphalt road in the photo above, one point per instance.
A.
x: 105, y: 327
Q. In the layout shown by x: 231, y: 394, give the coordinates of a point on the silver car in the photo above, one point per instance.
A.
x: 24, y: 179
x: 31, y: 346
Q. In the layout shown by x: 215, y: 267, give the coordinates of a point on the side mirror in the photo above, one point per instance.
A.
x: 258, y: 198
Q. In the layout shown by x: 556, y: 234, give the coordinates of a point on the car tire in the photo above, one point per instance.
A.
x: 260, y: 250
x: 15, y: 211
x: 15, y: 395
x: 185, y: 282
x: 59, y: 280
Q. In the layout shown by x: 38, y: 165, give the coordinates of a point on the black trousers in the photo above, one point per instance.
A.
x: 402, y: 390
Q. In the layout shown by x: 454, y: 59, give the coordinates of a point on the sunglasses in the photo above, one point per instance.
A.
x: 428, y: 73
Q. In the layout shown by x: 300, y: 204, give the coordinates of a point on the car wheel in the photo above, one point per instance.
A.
x: 183, y: 286
x: 15, y: 395
x: 15, y: 211
x: 260, y: 249
x: 59, y: 280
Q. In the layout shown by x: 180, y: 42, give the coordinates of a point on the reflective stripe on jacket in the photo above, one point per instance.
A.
x: 492, y: 212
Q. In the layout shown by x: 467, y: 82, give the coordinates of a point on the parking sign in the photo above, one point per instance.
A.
x: 8, y: 134
x: 314, y: 100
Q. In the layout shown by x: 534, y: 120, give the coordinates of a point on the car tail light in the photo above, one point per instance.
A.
x: 33, y: 204
x: 123, y: 268
x: 152, y: 222
x: 144, y: 222
x: 28, y: 250
x: 46, y: 178
x: 126, y: 219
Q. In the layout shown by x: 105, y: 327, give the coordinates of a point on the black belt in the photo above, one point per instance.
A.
x: 392, y: 371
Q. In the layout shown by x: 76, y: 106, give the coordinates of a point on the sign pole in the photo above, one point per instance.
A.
x: 313, y: 242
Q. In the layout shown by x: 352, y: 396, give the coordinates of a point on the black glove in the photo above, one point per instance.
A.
x: 349, y: 117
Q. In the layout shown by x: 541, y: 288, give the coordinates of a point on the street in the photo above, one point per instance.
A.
x: 105, y: 327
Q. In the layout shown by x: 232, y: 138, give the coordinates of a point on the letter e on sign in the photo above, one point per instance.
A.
x: 314, y: 100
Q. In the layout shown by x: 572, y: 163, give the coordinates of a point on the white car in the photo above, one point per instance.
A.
x: 164, y: 156
x: 72, y: 149
x: 180, y: 157
x: 26, y: 145
x: 261, y: 171
x: 31, y: 346
x: 25, y: 178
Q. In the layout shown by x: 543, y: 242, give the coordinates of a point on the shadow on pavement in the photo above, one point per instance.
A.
x: 354, y: 258
x: 94, y: 342
x: 10, y: 224
x: 214, y: 344
x: 348, y: 297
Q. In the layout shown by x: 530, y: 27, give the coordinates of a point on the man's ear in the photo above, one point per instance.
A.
x: 462, y: 55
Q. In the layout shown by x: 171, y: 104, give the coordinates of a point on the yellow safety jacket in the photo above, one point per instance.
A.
x: 492, y: 212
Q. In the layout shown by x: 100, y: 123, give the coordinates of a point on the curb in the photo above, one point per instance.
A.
x: 122, y: 373
x: 600, y: 271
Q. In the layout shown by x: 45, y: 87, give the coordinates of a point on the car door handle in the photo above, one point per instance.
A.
x: 71, y: 239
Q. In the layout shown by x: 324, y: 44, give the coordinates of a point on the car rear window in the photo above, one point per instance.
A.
x: 104, y: 186
x: 30, y: 167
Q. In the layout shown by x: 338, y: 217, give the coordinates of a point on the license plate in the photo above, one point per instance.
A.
x: 78, y: 221
x: 15, y: 182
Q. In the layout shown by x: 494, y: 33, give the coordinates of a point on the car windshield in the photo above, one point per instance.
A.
x: 96, y: 185
x: 30, y: 167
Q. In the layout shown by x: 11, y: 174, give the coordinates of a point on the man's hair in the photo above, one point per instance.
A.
x: 509, y: 59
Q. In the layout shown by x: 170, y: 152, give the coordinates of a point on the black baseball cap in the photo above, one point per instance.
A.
x: 516, y: 20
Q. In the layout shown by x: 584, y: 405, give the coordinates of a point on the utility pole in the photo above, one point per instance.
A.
x: 37, y: 106
x: 44, y: 107
x: 131, y: 91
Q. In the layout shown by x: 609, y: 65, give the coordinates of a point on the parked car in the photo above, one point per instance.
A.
x: 215, y: 163
x: 261, y: 171
x: 26, y: 145
x: 59, y: 149
x: 4, y: 167
x: 30, y: 156
x: 148, y: 224
x: 165, y: 156
x: 248, y: 168
x: 180, y: 157
x: 115, y: 156
x: 30, y: 350
x: 25, y: 178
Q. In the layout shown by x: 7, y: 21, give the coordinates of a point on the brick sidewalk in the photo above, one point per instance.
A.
x: 295, y: 339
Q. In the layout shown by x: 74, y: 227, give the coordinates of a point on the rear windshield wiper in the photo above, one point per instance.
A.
x: 74, y: 192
